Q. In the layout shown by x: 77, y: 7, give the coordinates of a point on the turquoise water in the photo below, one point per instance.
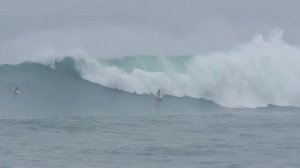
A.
x: 62, y: 120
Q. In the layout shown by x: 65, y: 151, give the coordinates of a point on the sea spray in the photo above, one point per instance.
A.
x: 256, y: 74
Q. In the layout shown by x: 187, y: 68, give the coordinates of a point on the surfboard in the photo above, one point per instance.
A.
x: 159, y: 97
x: 17, y: 92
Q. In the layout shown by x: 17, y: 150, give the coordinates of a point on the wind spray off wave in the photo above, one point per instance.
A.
x: 262, y: 72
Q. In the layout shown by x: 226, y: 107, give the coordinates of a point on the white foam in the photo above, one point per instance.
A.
x: 258, y: 73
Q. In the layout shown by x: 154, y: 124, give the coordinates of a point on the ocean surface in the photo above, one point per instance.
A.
x: 102, y: 113
x: 235, y: 109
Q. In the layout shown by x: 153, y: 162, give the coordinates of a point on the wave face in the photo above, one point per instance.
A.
x: 256, y: 74
x: 48, y: 92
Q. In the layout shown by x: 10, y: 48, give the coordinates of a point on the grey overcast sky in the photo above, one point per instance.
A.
x: 125, y: 27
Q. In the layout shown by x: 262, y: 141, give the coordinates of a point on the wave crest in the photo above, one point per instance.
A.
x: 262, y: 72
x: 258, y: 73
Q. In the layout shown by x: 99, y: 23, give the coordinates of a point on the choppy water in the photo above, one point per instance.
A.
x: 238, y: 138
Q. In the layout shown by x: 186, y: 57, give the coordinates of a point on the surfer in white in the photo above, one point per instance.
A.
x: 17, y: 90
x: 159, y: 94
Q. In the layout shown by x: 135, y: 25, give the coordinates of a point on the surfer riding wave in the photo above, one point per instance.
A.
x: 159, y: 95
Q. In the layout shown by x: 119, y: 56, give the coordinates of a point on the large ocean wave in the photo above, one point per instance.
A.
x: 255, y: 74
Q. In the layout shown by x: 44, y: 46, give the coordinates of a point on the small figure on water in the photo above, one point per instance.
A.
x: 159, y: 95
x: 16, y: 90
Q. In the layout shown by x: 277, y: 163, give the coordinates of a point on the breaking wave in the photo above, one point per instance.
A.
x: 255, y: 74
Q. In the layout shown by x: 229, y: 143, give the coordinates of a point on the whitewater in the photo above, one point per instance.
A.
x: 261, y: 72
x: 254, y: 75
x: 236, y: 108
